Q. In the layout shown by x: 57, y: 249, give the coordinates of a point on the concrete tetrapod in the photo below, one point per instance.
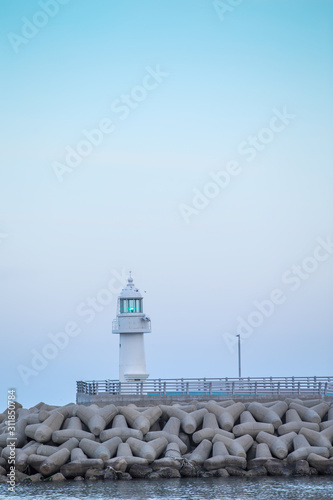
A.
x: 66, y: 411
x: 150, y: 451
x: 209, y: 434
x: 35, y: 461
x: 77, y: 455
x: 263, y: 414
x: 79, y: 464
x: 33, y: 418
x: 321, y: 408
x: 96, y: 418
x: 135, y: 419
x: 94, y: 450
x: 173, y: 411
x: 302, y: 449
x: 252, y: 428
x: 226, y: 417
x: 200, y: 454
x: 172, y: 426
x: 324, y: 425
x: 72, y: 423
x: 263, y: 454
x: 61, y: 436
x: 303, y: 453
x: 21, y: 458
x: 210, y: 421
x: 300, y: 441
x: 221, y: 458
x: 152, y: 414
x: 235, y: 411
x: 188, y: 421
x: 321, y: 464
x: 294, y: 423
x: 330, y: 412
x: 173, y: 451
x: 280, y: 408
x: 48, y: 450
x: 124, y: 450
x: 30, y: 447
x: 112, y: 446
x: 246, y: 417
x: 306, y: 414
x: 328, y: 433
x: 151, y: 436
x: 322, y: 438
x: 29, y: 432
x: 53, y: 463
x: 235, y: 446
x: 119, y: 421
x: 219, y: 449
x: 263, y: 451
x: 279, y: 446
x: 191, y: 422
x: 43, y: 432
x: 123, y: 432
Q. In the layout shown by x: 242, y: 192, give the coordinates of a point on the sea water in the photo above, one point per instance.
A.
x: 233, y: 488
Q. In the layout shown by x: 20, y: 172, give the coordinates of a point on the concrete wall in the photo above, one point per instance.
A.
x: 144, y: 400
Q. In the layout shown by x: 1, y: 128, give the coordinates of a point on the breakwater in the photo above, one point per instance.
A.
x: 198, y: 439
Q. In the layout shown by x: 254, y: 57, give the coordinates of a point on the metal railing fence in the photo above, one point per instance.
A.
x: 250, y: 386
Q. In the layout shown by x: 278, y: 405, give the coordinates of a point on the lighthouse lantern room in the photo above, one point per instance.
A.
x: 131, y: 324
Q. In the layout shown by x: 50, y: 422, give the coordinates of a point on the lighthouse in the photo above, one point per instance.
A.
x: 131, y: 324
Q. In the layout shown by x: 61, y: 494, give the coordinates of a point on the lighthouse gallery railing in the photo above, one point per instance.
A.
x: 209, y: 386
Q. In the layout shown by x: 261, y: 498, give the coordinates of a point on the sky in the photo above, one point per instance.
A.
x: 187, y: 141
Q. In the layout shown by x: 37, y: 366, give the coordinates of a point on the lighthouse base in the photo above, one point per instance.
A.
x: 132, y: 361
x: 136, y: 377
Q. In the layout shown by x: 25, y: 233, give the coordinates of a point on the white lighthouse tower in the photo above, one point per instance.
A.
x: 131, y: 324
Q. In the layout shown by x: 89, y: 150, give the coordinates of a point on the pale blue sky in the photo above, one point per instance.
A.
x: 120, y: 207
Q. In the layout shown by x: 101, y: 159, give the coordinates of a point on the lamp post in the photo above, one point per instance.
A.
x: 239, y: 357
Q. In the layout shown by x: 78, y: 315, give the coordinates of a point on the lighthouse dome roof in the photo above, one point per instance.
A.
x: 130, y: 291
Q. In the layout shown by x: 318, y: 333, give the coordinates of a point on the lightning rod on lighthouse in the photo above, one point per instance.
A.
x: 131, y: 324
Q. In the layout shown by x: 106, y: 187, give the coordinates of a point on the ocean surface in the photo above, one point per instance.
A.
x: 233, y: 488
